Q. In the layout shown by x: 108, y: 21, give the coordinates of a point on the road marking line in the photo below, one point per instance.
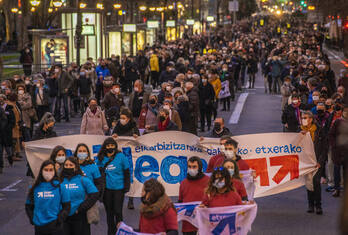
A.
x: 9, y: 188
x: 238, y: 109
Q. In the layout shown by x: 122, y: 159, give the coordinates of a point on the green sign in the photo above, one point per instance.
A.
x: 88, y: 30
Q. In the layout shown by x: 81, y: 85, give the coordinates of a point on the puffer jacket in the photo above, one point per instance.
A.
x: 93, y: 124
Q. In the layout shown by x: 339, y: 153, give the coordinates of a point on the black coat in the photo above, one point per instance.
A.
x: 40, y: 134
x: 206, y: 96
x: 7, y: 122
x: 84, y: 84
x: 289, y: 117
x: 128, y: 130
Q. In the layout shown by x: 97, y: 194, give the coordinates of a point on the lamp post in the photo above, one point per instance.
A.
x: 117, y: 6
x: 78, y: 32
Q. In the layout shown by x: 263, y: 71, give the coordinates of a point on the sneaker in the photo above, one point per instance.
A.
x: 318, y: 211
x: 310, y: 209
x: 329, y: 189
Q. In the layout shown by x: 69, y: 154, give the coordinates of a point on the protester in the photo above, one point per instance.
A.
x: 193, y: 101
x: 41, y: 98
x: 126, y: 126
x: 47, y: 212
x: 233, y: 169
x: 28, y: 112
x: 83, y: 195
x: 149, y: 113
x: 164, y: 123
x: 157, y: 212
x: 114, y: 165
x: 16, y: 132
x: 138, y: 98
x: 65, y: 82
x: 173, y: 114
x: 113, y: 102
x: 58, y: 156
x: 206, y: 101
x: 93, y: 120
x: 220, y: 191
x: 45, y: 128
x: 219, y: 129
x: 192, y: 189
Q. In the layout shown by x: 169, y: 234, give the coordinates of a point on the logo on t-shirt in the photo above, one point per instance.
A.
x: 71, y: 186
x: 45, y: 194
x: 110, y: 167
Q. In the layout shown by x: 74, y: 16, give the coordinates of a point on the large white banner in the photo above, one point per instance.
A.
x: 280, y: 160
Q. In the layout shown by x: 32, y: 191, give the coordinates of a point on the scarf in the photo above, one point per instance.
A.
x: 312, y: 129
x: 154, y: 110
x: 163, y: 127
x: 161, y: 206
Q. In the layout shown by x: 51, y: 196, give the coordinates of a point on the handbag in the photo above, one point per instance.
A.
x: 93, y: 216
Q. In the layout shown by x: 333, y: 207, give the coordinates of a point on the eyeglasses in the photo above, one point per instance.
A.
x: 218, y: 168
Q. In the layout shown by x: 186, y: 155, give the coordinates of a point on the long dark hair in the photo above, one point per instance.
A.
x: 155, y: 188
x: 236, y: 168
x: 102, y: 151
x: 55, y: 152
x: 78, y: 170
x: 41, y: 179
x: 212, y: 190
x: 88, y: 160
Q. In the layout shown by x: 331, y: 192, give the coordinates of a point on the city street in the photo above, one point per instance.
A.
x: 256, y: 112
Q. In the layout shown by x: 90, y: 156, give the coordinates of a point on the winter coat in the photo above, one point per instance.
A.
x: 93, y: 124
x: 40, y: 134
x: 193, y: 99
x: 145, y: 97
x: 185, y: 117
x: 16, y: 132
x: 285, y: 90
x: 52, y: 85
x: 110, y: 100
x: 216, y: 83
x: 206, y: 96
x: 84, y: 85
x: 26, y: 105
x: 289, y: 117
x: 145, y: 116
x: 154, y: 63
x: 44, y: 99
x: 7, y: 122
x: 65, y: 82
x: 167, y: 76
x: 129, y: 129
x: 338, y: 140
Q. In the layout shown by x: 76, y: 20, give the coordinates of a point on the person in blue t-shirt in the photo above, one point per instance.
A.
x: 58, y: 156
x: 88, y: 166
x: 115, y: 166
x: 48, y: 202
x: 83, y: 195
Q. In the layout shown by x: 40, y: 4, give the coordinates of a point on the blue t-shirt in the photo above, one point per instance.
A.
x: 78, y: 187
x: 91, y: 171
x: 114, y: 171
x: 48, y: 202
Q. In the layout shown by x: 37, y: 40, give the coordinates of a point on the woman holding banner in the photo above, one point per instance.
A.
x: 233, y: 169
x: 83, y: 195
x: 114, y: 166
x: 220, y: 191
x: 48, y: 202
x: 157, y: 211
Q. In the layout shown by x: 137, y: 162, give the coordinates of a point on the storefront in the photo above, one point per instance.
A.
x: 93, y: 41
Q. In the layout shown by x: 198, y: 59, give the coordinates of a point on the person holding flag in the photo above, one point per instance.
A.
x: 192, y: 189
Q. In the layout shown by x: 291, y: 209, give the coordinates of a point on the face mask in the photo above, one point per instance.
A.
x: 217, y: 126
x: 328, y: 107
x: 231, y: 171
x: 82, y: 156
x: 295, y: 101
x: 315, y: 98
x: 219, y: 184
x: 167, y: 107
x: 3, y: 87
x: 38, y: 85
x: 60, y: 159
x: 48, y: 175
x: 152, y: 101
x: 168, y: 88
x: 225, y: 70
x: 20, y: 92
x: 162, y: 118
x: 123, y: 121
x: 204, y: 80
x: 27, y: 82
x: 110, y: 150
x: 68, y: 172
x: 230, y: 154
x: 305, y: 122
x: 56, y: 70
x: 136, y: 89
x: 189, y: 76
x: 192, y: 172
x: 82, y: 73
x: 320, y: 112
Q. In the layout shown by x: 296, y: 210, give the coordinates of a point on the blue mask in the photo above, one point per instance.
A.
x: 82, y: 156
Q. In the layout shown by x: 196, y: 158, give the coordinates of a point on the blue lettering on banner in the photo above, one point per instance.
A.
x: 125, y: 232
x: 151, y: 167
x: 188, y: 209
x: 166, y: 163
x: 226, y: 219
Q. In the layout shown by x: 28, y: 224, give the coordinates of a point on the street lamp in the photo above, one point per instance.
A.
x: 100, y: 6
x: 117, y: 5
x: 35, y: 3
x: 159, y: 9
x: 57, y: 3
x: 14, y: 10
x: 33, y: 9
x: 152, y: 8
x: 142, y: 8
x: 83, y: 5
x: 170, y: 7
x: 50, y: 10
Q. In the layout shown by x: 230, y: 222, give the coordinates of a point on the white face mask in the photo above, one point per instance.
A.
x: 168, y: 88
x: 56, y: 70
x: 230, y: 154
x: 295, y: 101
x: 123, y: 121
x: 305, y: 122
x: 48, y: 175
x: 189, y: 76
x: 204, y: 80
x: 20, y: 92
x: 60, y: 159
x: 192, y: 172
x: 167, y: 107
x: 38, y: 85
x: 27, y: 82
x: 136, y: 89
x: 315, y: 98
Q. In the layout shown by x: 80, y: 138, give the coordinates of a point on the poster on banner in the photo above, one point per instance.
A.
x: 187, y: 212
x: 280, y: 160
x: 124, y: 229
x: 231, y: 220
x: 225, y: 90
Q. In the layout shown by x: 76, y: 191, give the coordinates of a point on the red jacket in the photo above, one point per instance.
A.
x: 240, y: 188
x: 218, y: 160
x: 230, y: 198
x: 161, y: 223
x: 191, y: 191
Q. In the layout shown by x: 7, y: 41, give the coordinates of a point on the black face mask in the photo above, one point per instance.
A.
x: 338, y: 108
x: 110, y: 150
x: 328, y: 107
x: 68, y: 172
x: 152, y: 101
x: 320, y: 112
x: 217, y: 126
x: 162, y: 118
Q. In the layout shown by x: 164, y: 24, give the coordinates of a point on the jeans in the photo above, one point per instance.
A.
x: 9, y: 155
x: 64, y: 98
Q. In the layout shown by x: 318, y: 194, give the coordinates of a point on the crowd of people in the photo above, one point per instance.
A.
x: 183, y: 86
